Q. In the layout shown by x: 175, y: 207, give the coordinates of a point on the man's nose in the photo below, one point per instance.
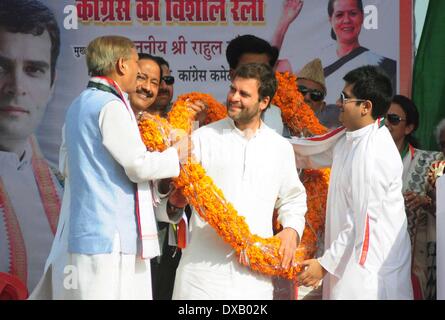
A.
x: 307, y: 97
x: 15, y: 84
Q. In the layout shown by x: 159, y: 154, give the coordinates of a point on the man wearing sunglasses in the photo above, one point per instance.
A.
x: 311, y: 84
x: 367, y: 247
x: 164, y: 98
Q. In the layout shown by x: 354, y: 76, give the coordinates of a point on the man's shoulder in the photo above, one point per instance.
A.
x: 91, y: 95
x: 386, y: 151
x: 276, y: 139
x: 216, y: 127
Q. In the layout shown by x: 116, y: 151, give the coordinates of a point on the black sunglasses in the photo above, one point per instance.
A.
x: 394, y: 119
x: 169, y: 80
x: 316, y: 95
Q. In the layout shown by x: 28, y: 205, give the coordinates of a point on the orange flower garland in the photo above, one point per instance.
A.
x: 216, y: 111
x: 297, y: 115
x: 209, y: 201
x: 261, y: 254
x: 301, y: 121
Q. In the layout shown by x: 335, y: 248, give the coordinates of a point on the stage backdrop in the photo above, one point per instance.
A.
x: 193, y: 35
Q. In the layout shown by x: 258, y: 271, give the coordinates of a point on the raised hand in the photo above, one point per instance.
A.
x: 291, y: 10
x: 197, y: 110
x: 183, y: 145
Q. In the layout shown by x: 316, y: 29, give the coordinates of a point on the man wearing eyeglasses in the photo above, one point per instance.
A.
x: 311, y: 84
x: 367, y: 248
x: 163, y: 101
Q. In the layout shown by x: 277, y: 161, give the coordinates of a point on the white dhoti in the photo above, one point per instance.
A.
x: 113, y: 276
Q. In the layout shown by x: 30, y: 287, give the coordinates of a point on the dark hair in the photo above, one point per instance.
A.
x: 261, y: 72
x: 249, y: 44
x: 161, y: 61
x: 371, y: 83
x: 331, y: 12
x: 31, y: 17
x: 146, y: 56
x: 412, y: 116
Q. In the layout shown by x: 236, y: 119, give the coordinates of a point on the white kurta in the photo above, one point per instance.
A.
x: 115, y: 275
x: 376, y: 265
x: 253, y: 174
x: 20, y: 185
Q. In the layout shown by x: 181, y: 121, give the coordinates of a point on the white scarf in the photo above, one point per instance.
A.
x: 362, y: 175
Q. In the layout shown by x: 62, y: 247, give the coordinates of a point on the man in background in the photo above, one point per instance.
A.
x: 29, y: 189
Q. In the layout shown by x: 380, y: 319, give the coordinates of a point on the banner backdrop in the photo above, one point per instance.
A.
x: 193, y: 35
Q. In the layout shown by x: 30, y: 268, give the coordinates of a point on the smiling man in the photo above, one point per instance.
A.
x: 29, y: 191
x: 148, y: 82
x: 367, y: 247
x: 255, y: 168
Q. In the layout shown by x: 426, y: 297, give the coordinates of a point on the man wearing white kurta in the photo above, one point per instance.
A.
x: 367, y: 244
x: 255, y: 168
x: 29, y: 210
x: 110, y: 220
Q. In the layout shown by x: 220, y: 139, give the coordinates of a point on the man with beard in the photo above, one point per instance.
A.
x: 253, y: 166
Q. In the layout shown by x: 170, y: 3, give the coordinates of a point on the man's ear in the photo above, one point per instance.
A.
x: 52, y: 88
x: 264, y: 103
x: 121, y: 66
x: 409, y: 128
x: 231, y: 74
x: 367, y: 108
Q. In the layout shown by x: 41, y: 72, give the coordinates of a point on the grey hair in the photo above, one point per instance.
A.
x: 440, y: 127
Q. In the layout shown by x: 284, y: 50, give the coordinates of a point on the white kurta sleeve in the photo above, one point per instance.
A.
x: 291, y: 203
x: 316, y: 152
x: 335, y: 257
x: 309, y: 156
x: 120, y: 136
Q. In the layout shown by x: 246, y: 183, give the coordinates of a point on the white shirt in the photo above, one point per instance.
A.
x: 386, y: 272
x: 23, y: 193
x: 256, y: 176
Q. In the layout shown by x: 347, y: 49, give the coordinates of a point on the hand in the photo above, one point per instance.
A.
x: 432, y: 179
x: 414, y: 201
x: 291, y: 10
x: 198, y: 111
x: 313, y: 273
x: 289, y: 242
x: 183, y: 146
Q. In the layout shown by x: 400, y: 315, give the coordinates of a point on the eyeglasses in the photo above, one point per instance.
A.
x: 344, y: 99
x: 169, y: 80
x: 316, y: 95
x: 394, y: 119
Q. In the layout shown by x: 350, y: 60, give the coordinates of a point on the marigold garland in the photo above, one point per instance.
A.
x: 297, y: 115
x: 301, y: 121
x: 209, y: 201
x: 215, y: 110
